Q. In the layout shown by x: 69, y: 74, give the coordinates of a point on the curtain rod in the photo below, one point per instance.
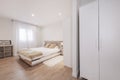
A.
x: 25, y: 22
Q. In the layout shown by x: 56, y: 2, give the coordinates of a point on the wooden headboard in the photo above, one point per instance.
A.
x: 58, y: 43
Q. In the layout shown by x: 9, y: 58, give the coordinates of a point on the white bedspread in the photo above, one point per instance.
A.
x: 46, y: 51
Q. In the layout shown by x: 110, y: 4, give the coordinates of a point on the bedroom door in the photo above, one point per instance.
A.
x: 88, y: 12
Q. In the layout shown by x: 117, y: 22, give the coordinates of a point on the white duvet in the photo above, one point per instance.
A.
x: 46, y: 51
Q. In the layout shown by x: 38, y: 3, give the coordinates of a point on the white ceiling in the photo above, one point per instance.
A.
x: 45, y: 11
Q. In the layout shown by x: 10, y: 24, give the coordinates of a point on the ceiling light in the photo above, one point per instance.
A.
x: 60, y: 14
x: 33, y: 15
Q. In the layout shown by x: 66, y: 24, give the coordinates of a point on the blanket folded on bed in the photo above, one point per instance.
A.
x: 30, y: 53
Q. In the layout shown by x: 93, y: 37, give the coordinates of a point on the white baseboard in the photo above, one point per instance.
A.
x: 74, y: 74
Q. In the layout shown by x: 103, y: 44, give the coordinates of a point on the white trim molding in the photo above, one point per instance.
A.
x: 75, y: 38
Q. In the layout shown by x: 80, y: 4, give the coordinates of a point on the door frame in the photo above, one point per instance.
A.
x: 75, y: 38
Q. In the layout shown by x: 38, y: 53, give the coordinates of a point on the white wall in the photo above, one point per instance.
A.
x: 6, y: 29
x: 53, y: 32
x: 39, y: 36
x: 67, y: 39
x: 89, y: 61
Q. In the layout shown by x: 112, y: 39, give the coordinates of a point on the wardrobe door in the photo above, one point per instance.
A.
x: 109, y: 39
x: 89, y: 67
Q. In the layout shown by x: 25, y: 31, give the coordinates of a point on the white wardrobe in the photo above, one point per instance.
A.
x: 99, y: 39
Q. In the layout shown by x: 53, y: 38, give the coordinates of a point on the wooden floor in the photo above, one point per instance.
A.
x: 14, y: 69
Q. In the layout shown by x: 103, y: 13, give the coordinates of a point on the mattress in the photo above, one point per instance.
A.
x: 45, y: 52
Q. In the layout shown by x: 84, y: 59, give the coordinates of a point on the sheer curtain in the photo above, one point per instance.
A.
x: 25, y: 35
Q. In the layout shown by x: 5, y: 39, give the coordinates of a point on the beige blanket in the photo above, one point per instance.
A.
x: 30, y: 53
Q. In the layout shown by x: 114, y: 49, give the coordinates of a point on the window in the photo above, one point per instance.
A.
x: 30, y: 35
x: 25, y: 35
x: 22, y: 35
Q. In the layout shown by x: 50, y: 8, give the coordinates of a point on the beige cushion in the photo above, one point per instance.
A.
x: 47, y: 45
x: 52, y: 46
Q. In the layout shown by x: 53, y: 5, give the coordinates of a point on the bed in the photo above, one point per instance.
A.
x: 33, y: 56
